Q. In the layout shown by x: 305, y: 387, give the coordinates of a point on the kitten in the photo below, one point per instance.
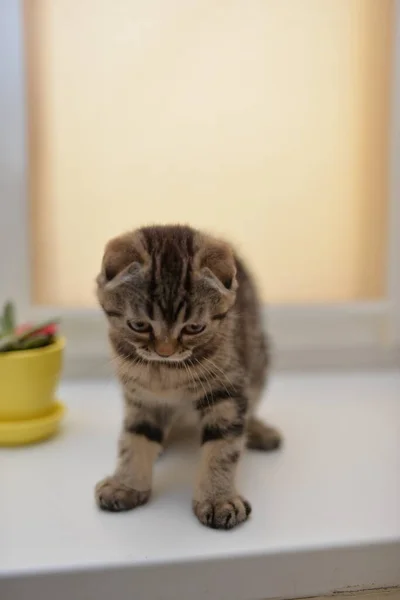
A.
x: 186, y: 336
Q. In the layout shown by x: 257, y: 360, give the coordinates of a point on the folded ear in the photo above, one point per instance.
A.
x: 217, y: 256
x: 120, y: 252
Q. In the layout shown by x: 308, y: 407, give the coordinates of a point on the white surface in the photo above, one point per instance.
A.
x: 335, y: 486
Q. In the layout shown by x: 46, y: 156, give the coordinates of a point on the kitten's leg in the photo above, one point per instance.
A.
x: 261, y: 436
x: 216, y: 502
x: 139, y: 445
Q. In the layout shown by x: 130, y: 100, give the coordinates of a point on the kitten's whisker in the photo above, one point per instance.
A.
x: 190, y: 375
x: 198, y: 381
x: 214, y: 374
x: 201, y: 383
x: 221, y: 371
x: 206, y: 381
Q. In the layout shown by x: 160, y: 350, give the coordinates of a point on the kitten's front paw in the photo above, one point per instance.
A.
x: 222, y: 515
x: 111, y: 494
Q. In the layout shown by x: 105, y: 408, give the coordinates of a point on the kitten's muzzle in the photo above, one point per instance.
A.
x: 165, y: 348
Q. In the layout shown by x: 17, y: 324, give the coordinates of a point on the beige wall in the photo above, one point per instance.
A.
x: 262, y: 120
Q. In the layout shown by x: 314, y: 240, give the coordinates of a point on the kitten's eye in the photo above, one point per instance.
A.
x: 139, y: 326
x: 193, y: 329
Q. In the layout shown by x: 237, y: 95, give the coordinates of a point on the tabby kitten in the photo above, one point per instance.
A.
x: 186, y: 336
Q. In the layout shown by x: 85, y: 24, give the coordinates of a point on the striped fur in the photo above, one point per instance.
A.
x: 186, y: 336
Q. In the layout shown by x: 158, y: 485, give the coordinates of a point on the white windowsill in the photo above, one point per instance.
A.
x: 326, y: 509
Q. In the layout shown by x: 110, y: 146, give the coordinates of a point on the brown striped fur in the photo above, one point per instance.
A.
x: 159, y: 286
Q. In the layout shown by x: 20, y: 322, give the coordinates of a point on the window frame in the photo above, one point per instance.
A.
x: 333, y: 335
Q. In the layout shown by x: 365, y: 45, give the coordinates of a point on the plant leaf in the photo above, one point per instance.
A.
x: 8, y: 343
x: 8, y: 319
x: 23, y: 340
x: 36, y: 342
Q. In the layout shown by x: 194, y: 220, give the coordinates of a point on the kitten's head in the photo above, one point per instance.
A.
x: 166, y: 291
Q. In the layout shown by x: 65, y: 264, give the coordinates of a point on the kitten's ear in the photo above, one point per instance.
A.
x: 217, y: 256
x: 120, y: 253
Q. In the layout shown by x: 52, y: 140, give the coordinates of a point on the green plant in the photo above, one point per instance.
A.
x: 25, y: 336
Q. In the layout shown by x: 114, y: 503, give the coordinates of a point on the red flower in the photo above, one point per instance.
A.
x: 48, y: 330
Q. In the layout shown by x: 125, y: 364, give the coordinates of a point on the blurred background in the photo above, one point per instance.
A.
x: 272, y: 123
x: 263, y: 121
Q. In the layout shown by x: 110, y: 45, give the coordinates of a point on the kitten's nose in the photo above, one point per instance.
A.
x: 165, y: 348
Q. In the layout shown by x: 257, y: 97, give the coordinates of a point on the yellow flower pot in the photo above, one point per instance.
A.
x: 28, y: 381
